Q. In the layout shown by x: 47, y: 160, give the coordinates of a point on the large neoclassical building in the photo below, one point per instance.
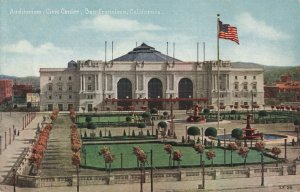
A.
x: 146, y: 77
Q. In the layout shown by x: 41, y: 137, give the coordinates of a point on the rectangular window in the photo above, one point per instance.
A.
x: 70, y: 78
x: 50, y: 88
x: 60, y: 88
x: 89, y: 78
x: 50, y: 97
x: 235, y: 77
x: 236, y: 86
x: 254, y: 86
x: 89, y: 87
x: 59, y: 78
x: 245, y: 77
x: 70, y: 96
x: 70, y: 88
x: 59, y: 96
x: 254, y: 95
x: 254, y: 77
x: 245, y: 86
x: 49, y: 78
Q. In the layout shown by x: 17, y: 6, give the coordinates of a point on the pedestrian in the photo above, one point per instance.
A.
x: 18, y: 132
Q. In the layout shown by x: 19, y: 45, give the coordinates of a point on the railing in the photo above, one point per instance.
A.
x: 104, y: 179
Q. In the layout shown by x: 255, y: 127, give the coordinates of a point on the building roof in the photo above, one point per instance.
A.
x: 145, y: 53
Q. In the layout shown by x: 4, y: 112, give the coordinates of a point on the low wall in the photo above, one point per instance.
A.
x: 182, y: 175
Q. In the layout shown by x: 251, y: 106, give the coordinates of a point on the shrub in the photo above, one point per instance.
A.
x: 128, y: 119
x: 165, y: 113
x: 193, y: 131
x: 237, y: 133
x: 88, y: 119
x: 162, y: 124
x: 211, y: 131
x: 85, y: 135
x: 206, y: 111
x: 153, y: 111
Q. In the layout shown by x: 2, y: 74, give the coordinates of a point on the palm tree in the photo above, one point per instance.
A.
x: 243, y: 152
x: 200, y: 149
x: 169, y: 149
x: 276, y: 151
x: 232, y: 147
x: 177, y: 157
x: 210, y: 156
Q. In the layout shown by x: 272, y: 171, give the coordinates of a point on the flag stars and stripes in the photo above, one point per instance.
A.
x: 228, y: 32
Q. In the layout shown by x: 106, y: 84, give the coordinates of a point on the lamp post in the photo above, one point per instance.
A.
x: 14, y: 178
x: 224, y: 142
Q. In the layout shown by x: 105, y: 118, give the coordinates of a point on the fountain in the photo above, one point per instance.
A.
x: 196, y: 117
x: 248, y: 132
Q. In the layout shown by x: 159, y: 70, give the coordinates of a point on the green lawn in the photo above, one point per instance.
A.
x: 160, y: 157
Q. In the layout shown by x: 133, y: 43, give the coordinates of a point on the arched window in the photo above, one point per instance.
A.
x: 124, y: 92
x: 185, y: 90
x: 155, y: 90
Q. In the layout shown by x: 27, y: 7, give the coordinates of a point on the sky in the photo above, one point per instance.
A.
x: 44, y: 34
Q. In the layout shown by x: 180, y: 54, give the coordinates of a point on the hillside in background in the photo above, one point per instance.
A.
x: 273, y: 73
x: 30, y: 80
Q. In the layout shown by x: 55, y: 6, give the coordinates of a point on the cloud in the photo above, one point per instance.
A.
x: 266, y: 54
x: 25, y: 47
x: 107, y: 23
x: 248, y: 24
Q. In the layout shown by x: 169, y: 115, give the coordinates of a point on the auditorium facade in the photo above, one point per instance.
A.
x: 147, y: 78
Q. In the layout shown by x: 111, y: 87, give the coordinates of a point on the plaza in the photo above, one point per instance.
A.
x: 57, y: 167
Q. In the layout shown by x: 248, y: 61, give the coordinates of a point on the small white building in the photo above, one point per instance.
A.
x: 146, y: 73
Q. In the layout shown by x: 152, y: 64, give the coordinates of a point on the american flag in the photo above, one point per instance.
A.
x: 228, y: 32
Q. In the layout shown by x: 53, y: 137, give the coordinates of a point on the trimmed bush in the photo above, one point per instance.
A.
x: 206, y: 111
x: 153, y: 111
x: 211, y: 131
x: 162, y: 124
x: 124, y: 133
x: 193, y: 131
x: 237, y: 133
x: 88, y: 119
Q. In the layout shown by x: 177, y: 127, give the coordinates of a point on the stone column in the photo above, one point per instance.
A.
x: 80, y: 83
x: 83, y: 83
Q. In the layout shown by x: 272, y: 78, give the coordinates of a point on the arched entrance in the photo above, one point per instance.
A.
x: 185, y: 90
x: 124, y: 92
x: 155, y: 91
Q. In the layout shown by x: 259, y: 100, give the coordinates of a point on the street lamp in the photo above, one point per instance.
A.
x: 224, y: 142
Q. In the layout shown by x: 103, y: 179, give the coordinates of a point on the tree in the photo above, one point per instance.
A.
x: 276, y: 151
x: 262, y: 113
x: 200, y: 149
x: 232, y: 147
x: 169, y: 149
x: 237, y: 133
x: 91, y: 126
x: 243, y: 152
x: 210, y: 156
x: 153, y: 111
x: 297, y: 124
x: 165, y: 114
x: 146, y: 116
x: 88, y: 119
x: 211, y: 131
x: 233, y: 112
x: 141, y: 126
x: 193, y: 131
x: 128, y: 120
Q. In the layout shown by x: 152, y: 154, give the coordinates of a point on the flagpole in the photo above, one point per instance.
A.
x: 218, y: 68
